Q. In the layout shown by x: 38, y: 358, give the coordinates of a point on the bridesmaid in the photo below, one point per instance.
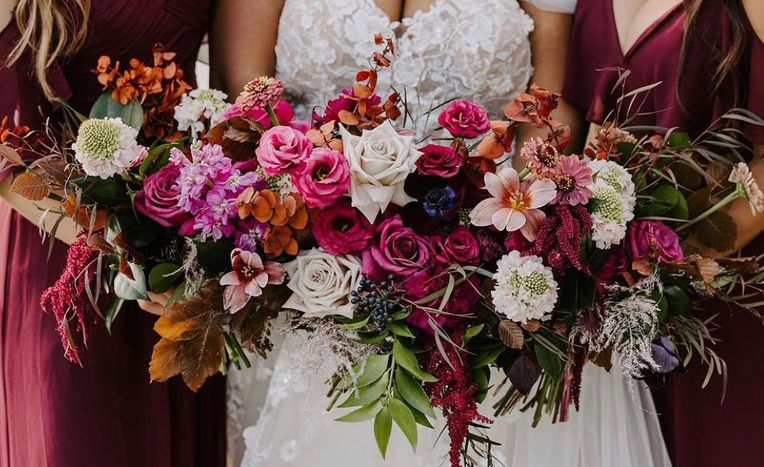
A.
x: 709, y: 57
x: 52, y: 412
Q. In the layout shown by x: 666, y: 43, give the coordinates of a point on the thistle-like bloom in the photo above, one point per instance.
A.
x: 614, y: 191
x: 248, y: 278
x: 572, y: 178
x: 513, y: 205
x: 741, y: 176
x: 106, y: 146
x: 543, y: 158
x: 259, y: 93
x: 525, y: 288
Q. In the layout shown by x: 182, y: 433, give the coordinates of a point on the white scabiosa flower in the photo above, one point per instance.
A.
x: 106, y: 146
x: 614, y: 201
x: 198, y: 106
x: 525, y: 288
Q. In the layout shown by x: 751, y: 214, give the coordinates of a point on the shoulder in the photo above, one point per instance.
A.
x: 754, y: 9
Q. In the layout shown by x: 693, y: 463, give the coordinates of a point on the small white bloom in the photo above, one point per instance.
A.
x: 741, y: 176
x: 525, y: 288
x: 380, y: 160
x: 198, y: 106
x: 321, y: 283
x: 613, y: 193
x: 106, y: 146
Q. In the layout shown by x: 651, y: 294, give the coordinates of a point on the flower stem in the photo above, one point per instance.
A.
x: 272, y: 115
x: 730, y: 198
x: 524, y: 173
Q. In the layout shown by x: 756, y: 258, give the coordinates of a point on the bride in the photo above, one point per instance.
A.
x: 478, y: 50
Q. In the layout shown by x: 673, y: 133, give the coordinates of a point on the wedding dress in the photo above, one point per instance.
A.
x: 471, y: 49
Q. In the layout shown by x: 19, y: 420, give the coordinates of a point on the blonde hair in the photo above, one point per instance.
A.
x: 50, y: 30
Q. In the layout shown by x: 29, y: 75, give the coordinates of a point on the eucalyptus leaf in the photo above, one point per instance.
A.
x: 383, y: 427
x: 406, y: 358
x: 106, y: 107
x: 366, y: 412
x: 412, y: 392
x: 111, y: 313
x: 127, y: 289
x: 404, y: 418
x: 132, y: 115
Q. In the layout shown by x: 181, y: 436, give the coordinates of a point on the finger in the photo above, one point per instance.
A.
x: 158, y: 298
x: 151, y: 307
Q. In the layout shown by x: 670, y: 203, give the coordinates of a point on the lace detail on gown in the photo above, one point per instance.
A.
x: 470, y: 49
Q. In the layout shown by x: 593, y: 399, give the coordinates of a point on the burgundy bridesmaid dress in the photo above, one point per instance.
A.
x: 700, y: 430
x: 106, y: 413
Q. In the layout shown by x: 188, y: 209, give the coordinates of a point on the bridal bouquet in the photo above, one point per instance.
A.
x: 418, y: 263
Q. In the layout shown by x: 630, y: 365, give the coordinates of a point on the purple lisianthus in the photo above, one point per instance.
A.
x: 158, y: 200
x: 648, y: 238
x: 464, y: 119
x: 399, y: 251
x: 440, y: 161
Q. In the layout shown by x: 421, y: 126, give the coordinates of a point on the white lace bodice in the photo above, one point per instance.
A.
x: 467, y: 49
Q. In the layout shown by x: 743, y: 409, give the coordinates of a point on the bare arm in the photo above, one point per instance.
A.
x: 549, y: 45
x: 66, y: 231
x: 243, y: 42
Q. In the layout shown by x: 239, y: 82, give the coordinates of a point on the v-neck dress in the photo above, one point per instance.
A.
x: 105, y: 413
x: 700, y: 430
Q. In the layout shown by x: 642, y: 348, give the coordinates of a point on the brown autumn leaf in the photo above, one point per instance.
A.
x: 201, y: 357
x: 718, y: 232
x: 511, y: 334
x: 124, y: 268
x: 165, y: 360
x: 697, y: 202
x: 55, y: 167
x: 84, y: 215
x: 98, y: 242
x: 31, y: 187
x: 237, y: 137
x: 532, y: 325
x: 253, y: 322
x: 347, y: 118
x: 10, y: 154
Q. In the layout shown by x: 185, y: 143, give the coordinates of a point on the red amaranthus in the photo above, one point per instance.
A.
x: 559, y: 238
x: 68, y: 298
x: 453, y: 392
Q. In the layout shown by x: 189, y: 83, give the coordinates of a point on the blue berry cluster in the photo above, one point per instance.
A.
x: 380, y: 301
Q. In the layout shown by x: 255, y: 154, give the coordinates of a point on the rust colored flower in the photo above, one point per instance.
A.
x: 533, y: 108
x: 499, y: 142
x: 266, y: 207
x: 279, y: 241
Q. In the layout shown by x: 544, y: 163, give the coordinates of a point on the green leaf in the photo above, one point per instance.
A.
x: 373, y: 337
x: 549, y: 361
x: 487, y: 356
x: 404, y: 419
x: 105, y: 193
x: 577, y: 291
x: 367, y: 394
x: 400, y: 329
x: 214, y: 257
x: 481, y: 376
x: 668, y: 202
x: 106, y: 107
x: 420, y: 418
x: 157, y: 154
x: 163, y: 276
x: 471, y: 332
x: 598, y: 258
x: 366, y: 412
x: 406, y: 358
x: 356, y: 325
x: 679, y: 303
x: 132, y: 115
x: 678, y: 140
x: 412, y: 392
x: 111, y: 314
x: 127, y: 289
x: 383, y: 427
x: 178, y: 294
x: 365, y: 373
x: 401, y: 315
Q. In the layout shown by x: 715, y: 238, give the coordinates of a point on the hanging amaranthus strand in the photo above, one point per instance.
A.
x: 68, y: 298
x: 559, y: 238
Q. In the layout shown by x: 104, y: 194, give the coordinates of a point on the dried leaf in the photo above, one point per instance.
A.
x: 98, y: 242
x: 124, y: 268
x: 717, y: 232
x: 348, y: 118
x: 697, y: 202
x: 253, y: 322
x: 10, y: 154
x: 532, y: 325
x: 165, y: 360
x: 511, y: 334
x: 524, y: 373
x: 237, y: 137
x: 603, y: 359
x: 31, y: 187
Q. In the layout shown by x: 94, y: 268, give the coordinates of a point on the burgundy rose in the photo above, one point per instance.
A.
x: 462, y: 302
x: 458, y: 247
x: 616, y: 264
x: 516, y: 241
x: 464, y: 119
x: 490, y: 244
x: 400, y: 250
x: 645, y: 238
x: 342, y: 229
x: 158, y: 200
x: 440, y: 161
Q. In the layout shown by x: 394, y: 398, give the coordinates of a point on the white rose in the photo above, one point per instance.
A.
x: 380, y: 160
x: 321, y: 283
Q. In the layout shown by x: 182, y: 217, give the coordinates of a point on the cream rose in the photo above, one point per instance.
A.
x: 380, y: 160
x: 321, y: 283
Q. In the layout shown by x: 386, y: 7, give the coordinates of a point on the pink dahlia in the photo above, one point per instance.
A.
x: 514, y: 205
x: 543, y: 158
x: 259, y: 93
x: 248, y: 278
x: 572, y: 178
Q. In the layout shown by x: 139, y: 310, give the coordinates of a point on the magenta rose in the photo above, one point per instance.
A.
x: 458, y: 247
x: 464, y: 119
x: 400, y: 250
x: 283, y: 150
x: 341, y: 229
x: 462, y: 301
x: 645, y: 238
x: 324, y: 179
x: 158, y: 200
x: 440, y: 161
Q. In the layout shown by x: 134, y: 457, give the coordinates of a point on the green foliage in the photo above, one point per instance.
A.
x: 106, y: 107
x: 163, y: 276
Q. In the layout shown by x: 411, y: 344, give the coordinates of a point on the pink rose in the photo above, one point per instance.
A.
x: 400, y: 250
x: 458, y: 247
x: 464, y: 119
x: 283, y: 150
x: 648, y: 237
x: 158, y: 200
x: 324, y: 179
x: 342, y: 229
x: 440, y: 161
